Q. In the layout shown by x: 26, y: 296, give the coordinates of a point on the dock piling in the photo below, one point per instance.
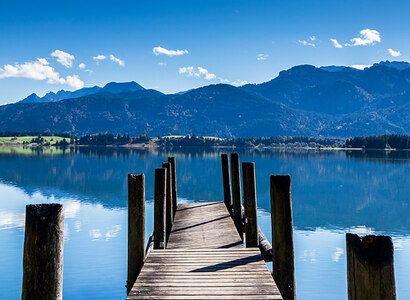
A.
x: 169, y: 212
x: 282, y: 235
x: 159, y: 208
x: 43, y: 252
x: 236, y: 193
x: 226, y: 182
x: 249, y: 200
x: 172, y: 161
x: 370, y: 267
x: 136, y: 227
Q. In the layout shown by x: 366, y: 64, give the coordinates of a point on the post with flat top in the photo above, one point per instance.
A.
x: 169, y: 219
x: 136, y: 227
x: 249, y: 200
x: 172, y: 161
x: 282, y: 236
x: 370, y: 267
x: 43, y: 252
x: 159, y: 208
x: 236, y: 193
x: 226, y: 182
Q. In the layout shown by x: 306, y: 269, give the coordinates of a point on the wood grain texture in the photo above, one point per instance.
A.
x: 204, y: 259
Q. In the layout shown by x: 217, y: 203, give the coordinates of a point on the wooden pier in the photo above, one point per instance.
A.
x: 204, y: 259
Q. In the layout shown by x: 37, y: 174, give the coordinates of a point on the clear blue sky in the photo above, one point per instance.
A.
x: 225, y: 38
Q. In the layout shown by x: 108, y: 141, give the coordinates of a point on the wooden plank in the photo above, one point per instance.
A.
x: 204, y: 259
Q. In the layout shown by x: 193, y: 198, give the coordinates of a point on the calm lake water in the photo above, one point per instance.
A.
x: 332, y: 192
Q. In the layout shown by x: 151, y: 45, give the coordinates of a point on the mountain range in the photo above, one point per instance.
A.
x: 332, y: 101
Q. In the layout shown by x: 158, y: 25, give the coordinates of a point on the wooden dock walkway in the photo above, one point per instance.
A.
x: 204, y: 259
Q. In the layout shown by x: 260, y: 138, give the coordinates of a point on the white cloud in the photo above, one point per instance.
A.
x: 337, y: 254
x: 262, y: 57
x: 393, y: 52
x: 162, y: 64
x: 99, y: 57
x: 367, y: 37
x: 64, y: 58
x: 95, y: 234
x: 117, y: 60
x: 312, y: 38
x: 81, y: 66
x: 115, y: 230
x: 39, y: 70
x: 336, y: 43
x: 198, y: 72
x: 360, y: 67
x: 159, y: 50
x: 306, y: 43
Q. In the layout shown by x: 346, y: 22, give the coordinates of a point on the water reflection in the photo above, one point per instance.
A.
x: 333, y: 192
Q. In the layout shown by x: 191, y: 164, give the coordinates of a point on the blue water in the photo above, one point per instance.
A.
x: 332, y: 192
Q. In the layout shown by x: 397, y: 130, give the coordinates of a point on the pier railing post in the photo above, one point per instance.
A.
x: 136, y: 227
x: 159, y: 208
x: 249, y: 200
x: 370, y: 267
x: 169, y: 212
x: 236, y: 193
x: 43, y: 252
x: 282, y: 235
x: 172, y: 161
x: 226, y: 182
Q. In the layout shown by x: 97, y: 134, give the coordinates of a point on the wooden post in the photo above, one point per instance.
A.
x: 236, y: 193
x: 43, y: 252
x: 249, y: 201
x: 169, y: 212
x: 370, y: 267
x: 159, y: 208
x: 226, y: 182
x: 282, y: 236
x: 172, y: 161
x: 136, y: 227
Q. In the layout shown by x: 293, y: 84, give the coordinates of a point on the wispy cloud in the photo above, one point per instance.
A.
x: 336, y: 43
x: 99, y: 57
x: 162, y: 64
x: 117, y: 60
x: 81, y: 66
x: 313, y: 38
x: 64, y: 58
x: 262, y: 57
x: 337, y: 254
x: 159, y: 50
x: 306, y: 43
x: 393, y: 52
x: 39, y: 70
x: 367, y: 37
x: 360, y: 67
x: 198, y: 72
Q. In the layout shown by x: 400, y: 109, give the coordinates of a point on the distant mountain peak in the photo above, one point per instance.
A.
x: 122, y: 87
x: 399, y: 65
x: 33, y: 98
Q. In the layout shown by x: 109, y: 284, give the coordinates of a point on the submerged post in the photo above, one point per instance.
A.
x: 169, y: 212
x: 172, y: 161
x: 236, y: 193
x: 43, y: 252
x: 282, y: 236
x: 249, y: 200
x: 370, y: 267
x: 136, y: 227
x: 226, y: 182
x: 159, y: 208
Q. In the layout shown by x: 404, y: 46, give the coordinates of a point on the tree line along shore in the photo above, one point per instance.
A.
x: 392, y: 141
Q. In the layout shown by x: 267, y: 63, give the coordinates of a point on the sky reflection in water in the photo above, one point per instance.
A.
x: 333, y: 192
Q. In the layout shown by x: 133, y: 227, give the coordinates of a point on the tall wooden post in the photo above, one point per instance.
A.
x: 249, y: 200
x: 370, y: 267
x: 226, y: 182
x: 136, y: 227
x: 43, y: 252
x: 236, y: 193
x: 159, y: 208
x: 282, y: 236
x: 172, y: 161
x: 169, y: 212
